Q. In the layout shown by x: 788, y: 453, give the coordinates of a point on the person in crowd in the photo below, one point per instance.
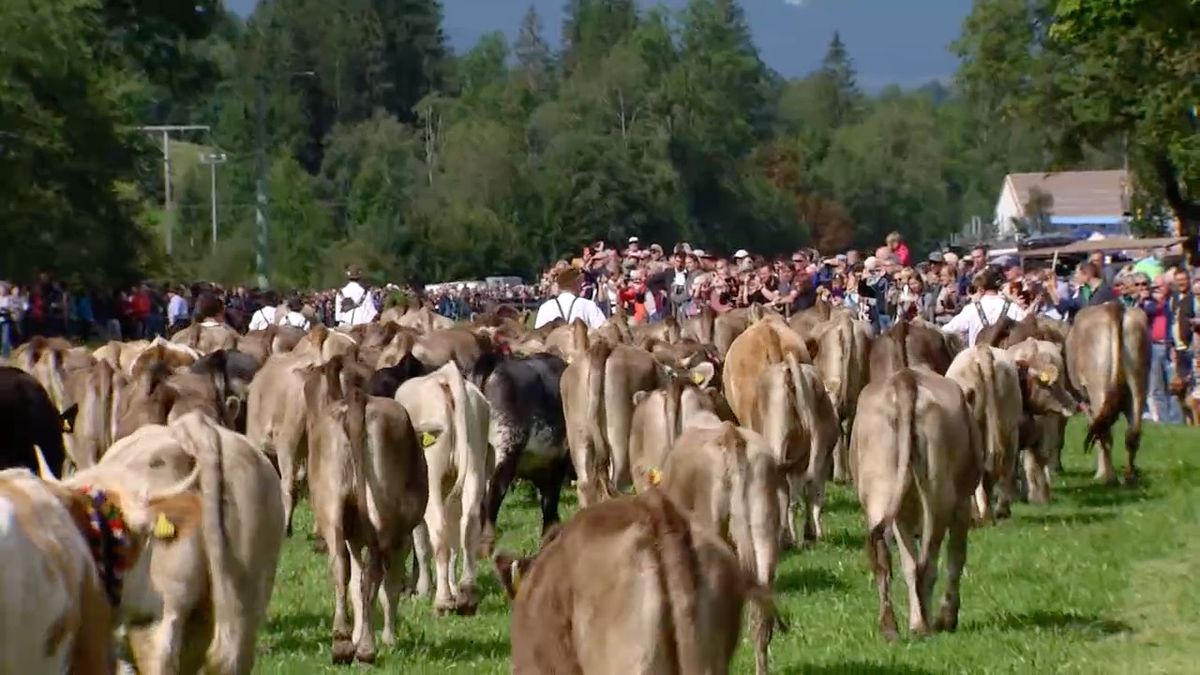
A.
x: 10, y: 317
x: 1162, y: 407
x: 984, y: 309
x: 354, y: 305
x: 1091, y: 289
x: 895, y: 242
x: 265, y: 315
x: 294, y: 317
x: 177, y: 310
x: 567, y: 304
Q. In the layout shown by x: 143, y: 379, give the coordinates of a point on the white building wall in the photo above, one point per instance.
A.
x: 1007, y: 208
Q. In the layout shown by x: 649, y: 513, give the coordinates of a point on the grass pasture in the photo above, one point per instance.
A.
x: 1103, y: 580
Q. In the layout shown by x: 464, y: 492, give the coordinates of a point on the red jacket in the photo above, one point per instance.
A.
x: 902, y: 254
x: 140, y: 305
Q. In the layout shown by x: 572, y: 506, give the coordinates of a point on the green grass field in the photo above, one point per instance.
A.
x: 1103, y: 580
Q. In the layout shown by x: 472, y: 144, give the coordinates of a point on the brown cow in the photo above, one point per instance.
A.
x: 1041, y: 437
x: 369, y: 487
x: 917, y: 457
x: 912, y: 344
x: 718, y: 330
x: 728, y: 481
x: 797, y: 419
x: 660, y: 416
x: 763, y: 344
x: 207, y: 336
x: 630, y: 586
x: 597, y: 392
x: 840, y: 349
x: 1108, y: 359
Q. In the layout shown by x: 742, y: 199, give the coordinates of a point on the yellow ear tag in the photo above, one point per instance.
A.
x: 163, y: 527
x: 655, y: 476
x: 427, y: 439
x: 1044, y: 377
x: 697, y: 378
x: 516, y: 576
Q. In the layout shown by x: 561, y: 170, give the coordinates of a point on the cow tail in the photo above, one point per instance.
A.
x: 597, y: 360
x: 355, y: 402
x: 103, y: 412
x: 986, y: 367
x: 201, y: 439
x: 679, y: 570
x: 910, y: 464
x: 800, y: 405
x: 1111, y: 406
x: 456, y: 397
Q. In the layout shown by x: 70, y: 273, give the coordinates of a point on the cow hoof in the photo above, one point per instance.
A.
x: 1003, y: 513
x: 947, y: 621
x: 1131, y: 479
x: 444, y: 609
x: 365, y: 656
x: 920, y: 631
x: 890, y: 634
x: 466, y: 608
x: 343, y: 652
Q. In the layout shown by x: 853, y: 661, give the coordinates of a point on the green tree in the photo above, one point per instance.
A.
x: 591, y: 27
x: 1089, y: 73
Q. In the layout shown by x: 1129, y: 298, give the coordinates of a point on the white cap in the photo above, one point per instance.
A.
x: 698, y: 252
x: 870, y: 263
x: 741, y: 253
x: 634, y: 240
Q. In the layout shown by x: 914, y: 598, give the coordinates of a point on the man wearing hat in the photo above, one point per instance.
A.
x: 353, y: 305
x: 568, y: 306
x: 986, y: 309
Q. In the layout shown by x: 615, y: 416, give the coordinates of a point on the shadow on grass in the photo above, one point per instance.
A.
x: 1098, y: 494
x: 1079, y: 518
x: 452, y: 648
x: 862, y: 668
x: 848, y: 539
x: 807, y: 580
x: 1073, y: 622
x: 298, y: 631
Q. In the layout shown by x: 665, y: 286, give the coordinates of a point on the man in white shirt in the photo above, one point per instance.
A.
x: 177, y: 308
x: 353, y: 305
x: 568, y: 305
x: 985, y: 310
x: 265, y: 316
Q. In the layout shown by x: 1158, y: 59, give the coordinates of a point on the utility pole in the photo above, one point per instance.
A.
x: 260, y: 184
x: 212, y: 159
x: 168, y: 202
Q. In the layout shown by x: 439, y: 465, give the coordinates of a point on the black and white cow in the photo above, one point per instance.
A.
x: 527, y: 431
x: 31, y: 419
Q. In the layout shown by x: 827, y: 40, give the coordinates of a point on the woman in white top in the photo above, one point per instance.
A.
x: 293, y: 317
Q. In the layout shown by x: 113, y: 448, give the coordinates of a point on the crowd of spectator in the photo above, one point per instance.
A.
x: 648, y: 284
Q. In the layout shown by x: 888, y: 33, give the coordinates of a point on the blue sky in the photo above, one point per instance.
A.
x: 891, y: 41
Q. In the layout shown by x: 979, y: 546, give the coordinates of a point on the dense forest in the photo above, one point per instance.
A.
x: 378, y: 144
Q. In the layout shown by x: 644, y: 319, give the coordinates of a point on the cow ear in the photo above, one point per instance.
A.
x: 233, y: 406
x: 68, y: 417
x: 639, y: 396
x: 702, y: 373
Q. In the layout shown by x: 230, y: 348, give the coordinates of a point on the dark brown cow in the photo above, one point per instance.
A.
x: 913, y: 344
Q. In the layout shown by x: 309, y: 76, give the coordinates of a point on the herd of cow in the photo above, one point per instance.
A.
x: 169, y: 472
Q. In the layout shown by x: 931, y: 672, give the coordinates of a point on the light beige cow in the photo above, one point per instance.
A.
x: 597, y: 391
x: 761, y: 345
x: 1046, y: 413
x: 660, y: 416
x: 630, y: 586
x: 728, y: 481
x: 207, y: 337
x: 369, y: 488
x: 56, y: 599
x: 798, y: 421
x: 1108, y: 360
x: 989, y: 378
x: 916, y: 456
x: 275, y: 421
x: 195, y: 601
x: 451, y: 419
x: 840, y: 349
